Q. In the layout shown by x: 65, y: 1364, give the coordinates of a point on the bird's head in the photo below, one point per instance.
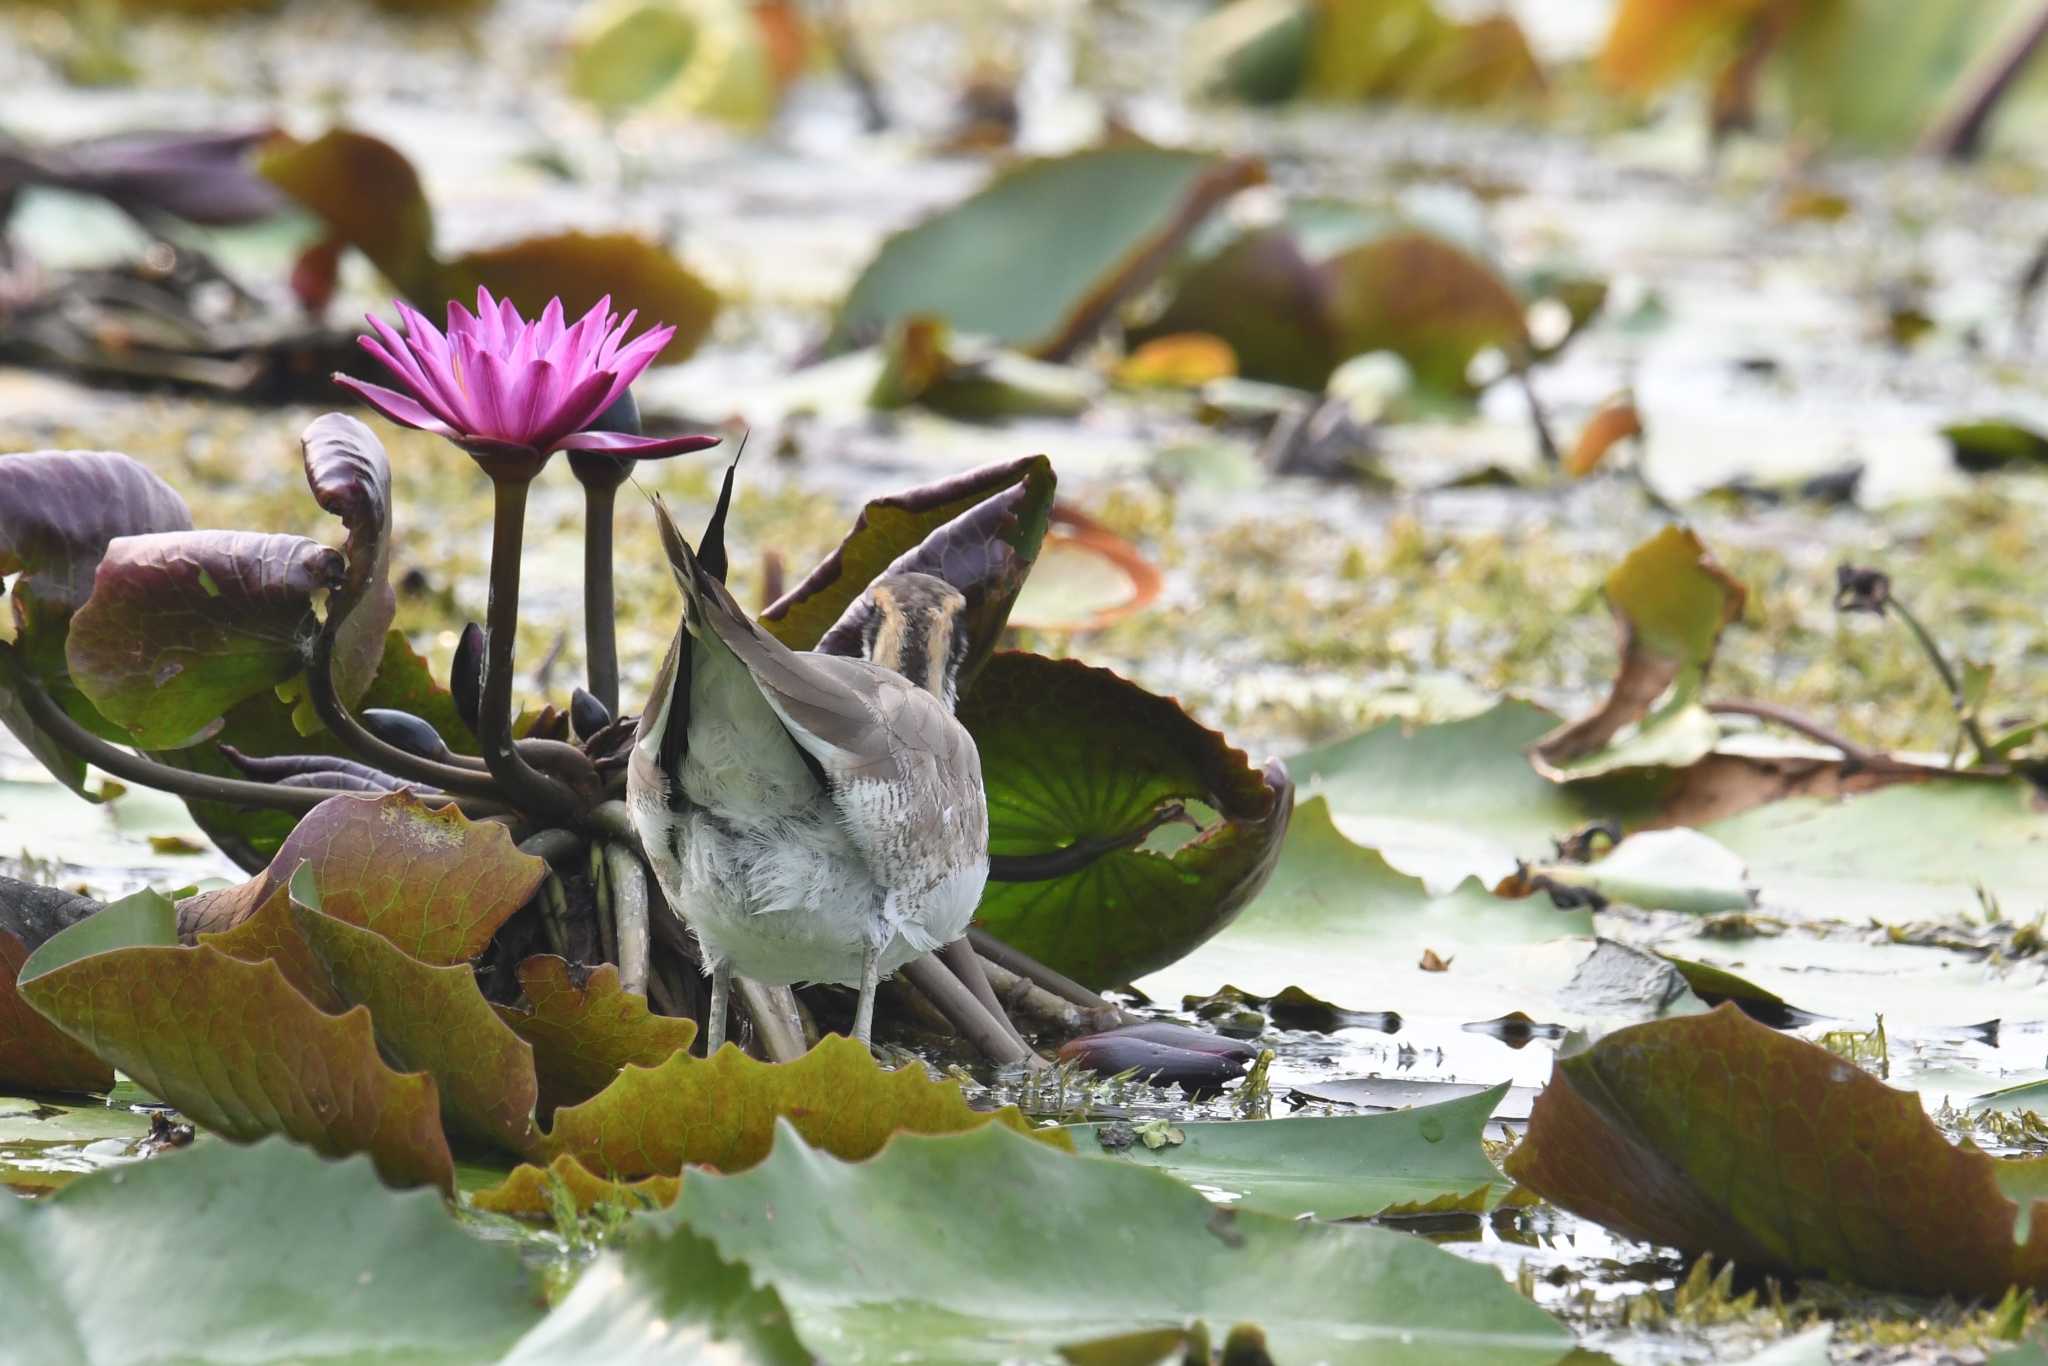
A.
x: 918, y: 628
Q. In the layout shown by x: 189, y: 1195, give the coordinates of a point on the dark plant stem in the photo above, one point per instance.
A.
x: 965, y: 964
x: 968, y: 1015
x: 378, y: 752
x: 1057, y: 863
x: 1793, y: 721
x: 527, y: 788
x: 556, y: 846
x: 1031, y: 970
x: 205, y: 787
x: 1928, y: 647
x: 1538, y: 419
x: 600, y: 629
x: 1958, y: 129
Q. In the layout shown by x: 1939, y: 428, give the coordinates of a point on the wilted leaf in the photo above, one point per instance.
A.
x: 215, y: 1265
x: 1041, y: 258
x: 233, y: 1046
x: 434, y: 1020
x: 1670, y: 602
x: 979, y: 531
x: 1713, y: 1133
x: 1611, y: 423
x: 34, y: 1054
x: 987, y: 1247
x: 584, y: 1029
x: 668, y: 1299
x: 182, y: 625
x: 1078, y: 761
x: 432, y: 881
x: 721, y: 1111
x: 1421, y: 1161
x: 203, y: 178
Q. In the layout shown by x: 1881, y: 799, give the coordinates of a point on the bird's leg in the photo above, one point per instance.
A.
x: 714, y: 1024
x: 967, y: 966
x: 870, y: 979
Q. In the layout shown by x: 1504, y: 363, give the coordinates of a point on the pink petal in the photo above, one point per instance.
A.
x: 547, y: 328
x: 387, y: 348
x: 536, y: 396
x: 611, y: 342
x: 576, y: 407
x: 635, y: 447
x: 396, y: 406
x: 492, y: 392
x: 631, y: 362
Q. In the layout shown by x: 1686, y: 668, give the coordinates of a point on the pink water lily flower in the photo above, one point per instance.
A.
x: 513, y: 392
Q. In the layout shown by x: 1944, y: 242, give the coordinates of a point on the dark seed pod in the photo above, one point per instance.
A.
x: 1186, y: 1036
x: 1145, y: 1051
x: 466, y: 680
x: 406, y: 731
x: 587, y: 715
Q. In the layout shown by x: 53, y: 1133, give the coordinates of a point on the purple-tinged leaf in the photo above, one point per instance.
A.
x: 183, y: 625
x: 351, y: 477
x: 203, y: 178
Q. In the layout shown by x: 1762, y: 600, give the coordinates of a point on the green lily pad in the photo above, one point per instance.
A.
x: 1457, y: 800
x: 1713, y: 1133
x: 988, y: 1247
x: 1078, y: 761
x: 390, y: 1278
x: 1040, y: 259
x: 1655, y: 870
x: 722, y: 1111
x: 182, y: 625
x: 233, y: 1045
x: 1421, y: 1161
x: 1670, y: 602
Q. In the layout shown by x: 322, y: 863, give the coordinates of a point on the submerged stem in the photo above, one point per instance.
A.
x: 526, y: 786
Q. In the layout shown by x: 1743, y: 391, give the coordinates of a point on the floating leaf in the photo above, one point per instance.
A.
x: 530, y: 1192
x: 722, y: 1111
x: 1041, y: 258
x: 584, y: 1029
x: 667, y: 1299
x: 1655, y: 870
x: 709, y: 58
x: 1670, y: 602
x: 1078, y: 762
x: 1086, y: 577
x: 1295, y: 301
x: 1713, y: 1133
x: 233, y: 1046
x: 434, y: 1020
x: 1182, y: 360
x: 979, y: 531
x: 182, y: 625
x: 987, y: 1247
x: 1422, y: 1161
x: 215, y: 1265
x: 432, y: 881
x: 202, y: 177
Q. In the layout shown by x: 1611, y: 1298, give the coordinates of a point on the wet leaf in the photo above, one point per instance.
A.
x: 233, y: 1046
x: 434, y: 882
x: 1421, y: 1161
x: 1670, y: 602
x: 1654, y: 870
x: 1713, y: 1133
x: 392, y: 1277
x: 351, y: 478
x: 58, y: 512
x: 584, y: 1028
x: 722, y: 1111
x: 434, y: 1020
x: 1041, y: 257
x: 1078, y: 760
x: 1086, y: 577
x: 665, y: 1299
x: 986, y: 1247
x: 530, y: 1192
x: 182, y: 625
x: 979, y: 531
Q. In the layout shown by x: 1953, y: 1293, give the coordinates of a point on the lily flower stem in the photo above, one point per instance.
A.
x: 600, y: 628
x: 1928, y: 647
x: 526, y: 787
x: 1031, y: 970
x: 960, y: 957
x: 966, y: 1014
x: 372, y: 749
x: 627, y: 881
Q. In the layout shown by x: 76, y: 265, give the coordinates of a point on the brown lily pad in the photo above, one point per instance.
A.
x: 584, y: 1029
x: 34, y: 1054
x: 530, y: 1192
